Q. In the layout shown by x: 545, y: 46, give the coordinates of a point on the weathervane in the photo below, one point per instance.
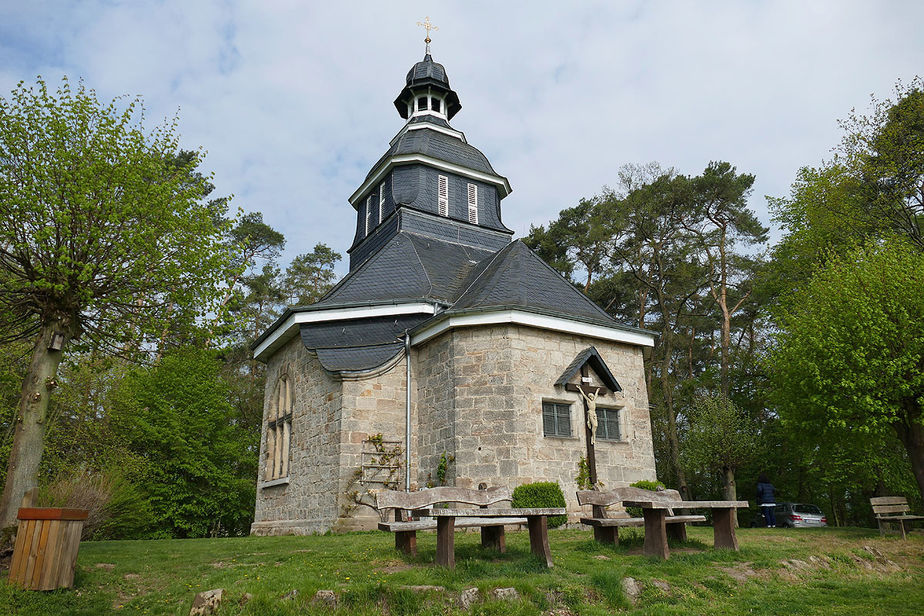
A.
x: 428, y: 26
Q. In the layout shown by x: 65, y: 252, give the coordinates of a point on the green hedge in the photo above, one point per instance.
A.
x: 541, y: 494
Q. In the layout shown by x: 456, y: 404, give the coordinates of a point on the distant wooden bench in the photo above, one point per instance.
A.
x: 606, y: 525
x: 891, y: 510
x: 407, y: 504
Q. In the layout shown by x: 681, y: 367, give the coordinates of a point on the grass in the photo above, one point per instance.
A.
x: 773, y: 573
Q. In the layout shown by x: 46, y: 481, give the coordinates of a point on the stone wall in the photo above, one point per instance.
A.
x: 305, y: 501
x: 483, y: 387
x: 373, y: 405
x: 434, y: 381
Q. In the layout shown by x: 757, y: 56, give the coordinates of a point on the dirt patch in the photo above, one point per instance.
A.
x: 741, y: 573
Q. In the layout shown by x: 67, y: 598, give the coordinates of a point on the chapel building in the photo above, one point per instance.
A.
x: 444, y: 320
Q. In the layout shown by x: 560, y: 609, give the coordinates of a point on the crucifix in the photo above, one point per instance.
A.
x: 590, y: 394
x: 427, y: 26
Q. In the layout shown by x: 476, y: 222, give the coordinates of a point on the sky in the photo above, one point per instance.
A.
x: 292, y: 100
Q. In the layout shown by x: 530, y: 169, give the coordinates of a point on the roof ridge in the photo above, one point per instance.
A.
x: 570, y: 285
x: 493, y: 259
x: 423, y: 267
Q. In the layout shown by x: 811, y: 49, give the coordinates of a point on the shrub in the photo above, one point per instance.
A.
x: 644, y: 484
x: 648, y: 485
x: 541, y: 494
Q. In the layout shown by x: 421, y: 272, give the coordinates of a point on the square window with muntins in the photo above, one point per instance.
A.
x: 608, y: 424
x: 556, y: 419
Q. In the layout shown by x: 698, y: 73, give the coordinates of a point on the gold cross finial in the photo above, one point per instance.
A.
x: 427, y: 26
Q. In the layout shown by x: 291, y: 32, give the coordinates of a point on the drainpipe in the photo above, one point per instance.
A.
x: 407, y: 413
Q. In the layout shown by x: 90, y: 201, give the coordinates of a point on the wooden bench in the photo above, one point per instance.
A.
x: 892, y: 509
x: 606, y: 527
x: 405, y: 504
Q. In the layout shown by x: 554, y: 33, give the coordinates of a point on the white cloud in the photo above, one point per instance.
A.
x: 293, y: 100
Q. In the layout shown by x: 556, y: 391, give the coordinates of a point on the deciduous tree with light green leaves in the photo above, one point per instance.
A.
x: 103, y: 231
x: 850, y: 351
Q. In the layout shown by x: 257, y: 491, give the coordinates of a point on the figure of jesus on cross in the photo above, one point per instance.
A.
x: 592, y: 422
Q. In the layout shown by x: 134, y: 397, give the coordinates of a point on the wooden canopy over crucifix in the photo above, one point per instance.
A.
x: 586, y: 360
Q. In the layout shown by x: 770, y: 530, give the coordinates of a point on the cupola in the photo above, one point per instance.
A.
x: 427, y: 92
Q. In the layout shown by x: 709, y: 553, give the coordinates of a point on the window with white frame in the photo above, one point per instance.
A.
x: 442, y: 195
x: 381, y: 201
x: 473, y: 204
x: 556, y: 418
x: 279, y: 427
x: 368, y: 214
x: 608, y: 428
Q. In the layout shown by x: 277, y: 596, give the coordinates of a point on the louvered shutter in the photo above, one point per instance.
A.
x: 368, y: 213
x: 473, y: 204
x: 381, y: 202
x: 443, y: 195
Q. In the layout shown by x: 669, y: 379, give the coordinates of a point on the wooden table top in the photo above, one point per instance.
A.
x: 686, y: 504
x: 492, y: 512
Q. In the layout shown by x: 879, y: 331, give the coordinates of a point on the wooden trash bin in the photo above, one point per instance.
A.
x: 46, y: 547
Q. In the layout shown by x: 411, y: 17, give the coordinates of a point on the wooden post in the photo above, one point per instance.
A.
x: 539, y: 538
x: 446, y: 542
x: 655, y: 533
x: 723, y: 529
x: 677, y: 532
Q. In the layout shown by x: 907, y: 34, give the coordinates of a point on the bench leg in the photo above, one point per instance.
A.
x: 406, y: 541
x: 723, y: 529
x: 655, y: 534
x: 901, y: 524
x: 446, y: 542
x: 539, y: 538
x: 677, y: 532
x: 493, y: 537
x: 608, y: 535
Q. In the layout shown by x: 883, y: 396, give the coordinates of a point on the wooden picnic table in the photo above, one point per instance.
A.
x: 536, y: 519
x: 655, y: 512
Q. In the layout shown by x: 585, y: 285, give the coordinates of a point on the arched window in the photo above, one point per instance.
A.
x: 279, y: 427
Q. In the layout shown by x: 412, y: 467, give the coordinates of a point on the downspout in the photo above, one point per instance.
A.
x: 407, y: 412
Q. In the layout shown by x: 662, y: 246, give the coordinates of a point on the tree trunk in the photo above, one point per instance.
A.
x: 911, y: 433
x: 730, y: 490
x: 672, y: 436
x: 26, y: 453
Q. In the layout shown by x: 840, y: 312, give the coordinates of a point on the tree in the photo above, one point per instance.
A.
x: 581, y: 234
x: 884, y: 152
x: 102, y: 231
x: 722, y: 221
x: 720, y: 438
x: 199, y: 462
x: 850, y: 351
x: 311, y: 275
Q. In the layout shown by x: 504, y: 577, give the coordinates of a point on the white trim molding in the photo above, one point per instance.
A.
x: 287, y: 330
x: 503, y: 186
x: 539, y: 321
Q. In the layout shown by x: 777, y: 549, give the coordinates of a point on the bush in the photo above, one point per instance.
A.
x: 541, y: 494
x: 644, y: 484
x: 648, y: 485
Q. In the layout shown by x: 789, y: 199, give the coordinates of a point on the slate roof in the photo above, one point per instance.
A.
x: 465, y: 279
x: 591, y: 356
x: 516, y: 277
x: 409, y: 267
x: 437, y: 145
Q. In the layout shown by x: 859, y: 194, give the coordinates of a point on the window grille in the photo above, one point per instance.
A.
x: 279, y: 429
x: 443, y: 195
x: 556, y: 419
x: 473, y: 204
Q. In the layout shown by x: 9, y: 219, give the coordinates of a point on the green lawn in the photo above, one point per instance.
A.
x: 771, y: 574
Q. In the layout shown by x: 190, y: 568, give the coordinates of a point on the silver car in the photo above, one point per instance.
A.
x: 799, y: 515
